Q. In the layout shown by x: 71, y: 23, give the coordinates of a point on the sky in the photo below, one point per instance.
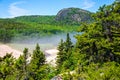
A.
x: 13, y: 8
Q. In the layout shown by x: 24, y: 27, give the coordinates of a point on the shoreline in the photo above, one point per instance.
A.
x: 50, y: 54
x: 4, y: 49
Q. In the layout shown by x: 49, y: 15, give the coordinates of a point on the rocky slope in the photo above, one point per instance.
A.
x: 73, y: 15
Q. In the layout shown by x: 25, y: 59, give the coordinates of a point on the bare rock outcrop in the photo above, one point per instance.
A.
x: 73, y: 14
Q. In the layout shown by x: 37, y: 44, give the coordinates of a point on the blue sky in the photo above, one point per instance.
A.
x: 13, y: 8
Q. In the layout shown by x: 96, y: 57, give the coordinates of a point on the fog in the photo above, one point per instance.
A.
x: 48, y: 42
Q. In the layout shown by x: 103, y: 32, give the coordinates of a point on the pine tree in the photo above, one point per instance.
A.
x: 6, y: 66
x: 100, y: 39
x: 64, y: 59
x: 22, y: 65
x: 68, y: 43
x: 37, y: 62
x: 61, y: 56
x: 38, y: 57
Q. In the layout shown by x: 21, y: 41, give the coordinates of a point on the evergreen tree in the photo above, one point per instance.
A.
x: 6, y: 66
x: 38, y: 57
x: 68, y: 43
x: 37, y: 63
x: 68, y: 47
x: 100, y: 40
x: 22, y: 65
x: 61, y: 56
x: 64, y: 60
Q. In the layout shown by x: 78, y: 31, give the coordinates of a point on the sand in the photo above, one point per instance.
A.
x: 7, y: 49
x: 50, y: 54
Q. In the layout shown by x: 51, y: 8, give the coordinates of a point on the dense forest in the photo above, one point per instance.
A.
x: 94, y: 56
x: 32, y: 26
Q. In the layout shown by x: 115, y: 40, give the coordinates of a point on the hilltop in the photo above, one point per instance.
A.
x: 64, y: 16
x: 72, y: 15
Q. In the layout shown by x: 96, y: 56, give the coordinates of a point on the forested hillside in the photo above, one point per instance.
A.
x: 36, y: 26
x: 36, y: 19
x: 10, y: 29
x: 32, y: 27
x: 94, y: 56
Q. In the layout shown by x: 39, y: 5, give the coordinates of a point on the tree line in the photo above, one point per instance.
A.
x: 20, y: 27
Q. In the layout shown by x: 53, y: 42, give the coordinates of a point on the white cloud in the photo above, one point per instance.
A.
x: 88, y: 4
x: 14, y: 10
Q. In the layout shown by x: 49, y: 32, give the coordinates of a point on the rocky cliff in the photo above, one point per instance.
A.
x: 73, y: 15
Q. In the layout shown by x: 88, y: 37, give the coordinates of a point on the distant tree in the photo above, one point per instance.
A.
x: 6, y: 35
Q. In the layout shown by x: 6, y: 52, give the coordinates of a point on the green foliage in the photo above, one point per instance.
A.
x: 64, y: 56
x: 94, y: 56
x: 61, y: 54
x: 32, y: 26
x: 6, y: 66
x: 25, y: 69
x: 37, y: 64
x: 38, y: 58
x: 36, y: 19
x: 97, y: 50
x: 8, y: 29
x: 68, y: 43
x: 106, y: 71
x: 100, y: 40
x: 21, y: 65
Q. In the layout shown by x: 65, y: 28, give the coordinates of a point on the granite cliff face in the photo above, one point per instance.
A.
x: 73, y: 15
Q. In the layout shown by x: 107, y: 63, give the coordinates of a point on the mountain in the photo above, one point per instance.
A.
x: 73, y: 15
x: 64, y: 16
x: 39, y: 26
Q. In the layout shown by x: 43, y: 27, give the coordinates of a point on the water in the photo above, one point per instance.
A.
x: 45, y: 43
